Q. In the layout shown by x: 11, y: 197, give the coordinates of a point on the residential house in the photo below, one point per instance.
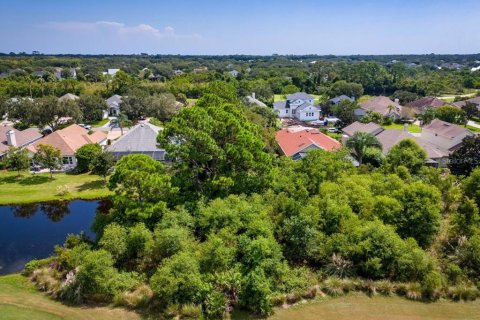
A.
x: 68, y: 97
x: 384, y: 106
x: 370, y: 127
x: 110, y: 72
x: 113, y: 104
x: 252, y: 100
x: 461, y: 104
x: 421, y: 104
x: 439, y: 139
x: 199, y: 70
x: 11, y: 137
x: 445, y: 135
x: 299, y: 106
x: 141, y: 139
x: 234, y: 73
x: 178, y: 72
x: 296, y: 141
x: 68, y: 141
x: 338, y: 99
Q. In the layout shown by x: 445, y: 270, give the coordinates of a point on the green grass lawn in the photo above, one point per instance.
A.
x: 30, y: 188
x: 99, y: 123
x: 20, y: 300
x: 413, y: 128
x: 362, y: 307
x: 473, y: 129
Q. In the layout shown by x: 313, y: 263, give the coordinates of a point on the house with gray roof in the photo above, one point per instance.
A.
x: 141, y: 139
x: 299, y: 106
x: 113, y: 104
x: 252, y: 100
x: 384, y: 106
x: 338, y: 99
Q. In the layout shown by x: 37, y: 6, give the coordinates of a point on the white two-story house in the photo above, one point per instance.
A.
x: 299, y: 106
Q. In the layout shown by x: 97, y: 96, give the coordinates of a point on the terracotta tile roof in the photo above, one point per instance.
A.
x: 70, y: 139
x: 292, y: 141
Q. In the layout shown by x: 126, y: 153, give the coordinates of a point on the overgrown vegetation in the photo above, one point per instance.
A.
x: 229, y: 225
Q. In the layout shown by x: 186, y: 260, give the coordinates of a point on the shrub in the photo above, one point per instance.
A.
x: 32, y: 265
x: 191, y: 311
x: 134, y: 299
x: 279, y: 300
x: 463, y: 292
x: 431, y: 285
x: 45, y: 280
x: 333, y: 287
x: 369, y: 287
x: 413, y: 291
x: 385, y: 287
x: 85, y: 155
x: 215, y: 305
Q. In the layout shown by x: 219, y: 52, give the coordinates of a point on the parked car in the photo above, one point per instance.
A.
x: 86, y: 126
x: 333, y: 130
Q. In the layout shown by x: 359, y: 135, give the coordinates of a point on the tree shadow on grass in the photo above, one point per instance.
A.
x: 24, y: 180
x: 33, y: 180
x: 92, y: 185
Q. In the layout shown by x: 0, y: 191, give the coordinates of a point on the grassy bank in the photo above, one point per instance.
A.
x: 39, y: 187
x: 20, y: 300
x: 362, y: 307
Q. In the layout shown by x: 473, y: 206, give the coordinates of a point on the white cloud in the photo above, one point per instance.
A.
x: 120, y: 29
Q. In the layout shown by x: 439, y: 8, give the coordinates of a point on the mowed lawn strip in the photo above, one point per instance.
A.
x: 20, y: 300
x: 31, y: 188
x: 413, y: 128
x: 362, y: 307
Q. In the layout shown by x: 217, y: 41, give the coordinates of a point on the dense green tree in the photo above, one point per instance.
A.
x: 471, y: 186
x: 162, y: 106
x: 471, y: 110
x: 85, y: 156
x: 48, y: 111
x: 92, y: 107
x: 142, y: 188
x: 102, y: 164
x: 359, y: 143
x: 451, y: 114
x: 48, y: 157
x: 345, y: 112
x: 121, y: 121
x: 17, y: 159
x: 349, y: 89
x: 218, y: 151
x: 466, y: 158
x: 406, y: 153
x: 178, y: 280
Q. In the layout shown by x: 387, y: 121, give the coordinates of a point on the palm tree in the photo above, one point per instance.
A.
x: 359, y: 143
x: 121, y: 121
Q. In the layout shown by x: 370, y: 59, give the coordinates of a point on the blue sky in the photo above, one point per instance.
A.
x: 240, y: 26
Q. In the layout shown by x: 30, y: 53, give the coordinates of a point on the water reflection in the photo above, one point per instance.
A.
x: 31, y: 231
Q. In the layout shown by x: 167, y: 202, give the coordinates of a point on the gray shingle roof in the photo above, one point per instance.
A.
x: 305, y: 105
x: 114, y: 101
x: 299, y: 95
x: 140, y: 139
x: 370, y: 127
x: 340, y: 98
x: 280, y: 105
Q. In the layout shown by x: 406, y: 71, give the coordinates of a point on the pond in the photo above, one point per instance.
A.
x: 31, y: 231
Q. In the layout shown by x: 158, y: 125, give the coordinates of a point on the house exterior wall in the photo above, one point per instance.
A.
x: 308, y: 115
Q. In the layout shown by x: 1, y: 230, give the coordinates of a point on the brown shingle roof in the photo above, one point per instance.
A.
x: 23, y: 138
x: 445, y: 129
x: 370, y: 127
x: 70, y: 139
x: 380, y: 104
x: 420, y: 104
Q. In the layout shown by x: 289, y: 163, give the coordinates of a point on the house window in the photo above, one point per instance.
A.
x: 67, y: 160
x: 293, y: 111
x: 286, y: 111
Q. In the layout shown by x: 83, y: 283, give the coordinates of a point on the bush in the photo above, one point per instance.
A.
x: 137, y: 298
x: 463, y: 292
x: 413, y: 291
x: 385, y: 287
x: 431, y: 285
x: 191, y: 311
x: 45, y: 280
x: 85, y: 155
x: 32, y: 265
x: 333, y: 287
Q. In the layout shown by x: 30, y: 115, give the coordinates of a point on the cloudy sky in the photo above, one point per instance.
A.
x: 240, y: 26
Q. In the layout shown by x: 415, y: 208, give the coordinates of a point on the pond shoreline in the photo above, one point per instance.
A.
x: 39, y: 188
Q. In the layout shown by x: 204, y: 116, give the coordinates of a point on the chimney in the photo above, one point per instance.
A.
x: 397, y: 100
x: 253, y: 95
x: 11, y: 140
